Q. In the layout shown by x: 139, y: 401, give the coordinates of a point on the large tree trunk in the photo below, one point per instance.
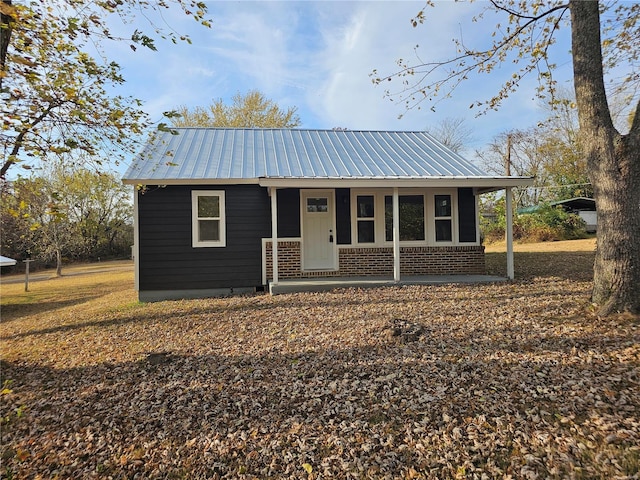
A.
x: 6, y: 19
x: 613, y: 161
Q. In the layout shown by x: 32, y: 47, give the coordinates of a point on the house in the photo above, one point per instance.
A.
x: 584, y: 207
x: 231, y: 210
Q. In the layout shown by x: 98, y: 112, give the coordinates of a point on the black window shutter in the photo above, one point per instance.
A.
x: 466, y: 215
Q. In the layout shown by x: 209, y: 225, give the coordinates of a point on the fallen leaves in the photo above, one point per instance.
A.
x: 502, y: 381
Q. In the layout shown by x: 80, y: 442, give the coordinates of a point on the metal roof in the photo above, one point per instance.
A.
x: 194, y: 155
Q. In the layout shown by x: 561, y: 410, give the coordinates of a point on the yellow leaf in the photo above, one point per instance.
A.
x: 307, y: 467
x: 8, y: 9
x: 22, y: 454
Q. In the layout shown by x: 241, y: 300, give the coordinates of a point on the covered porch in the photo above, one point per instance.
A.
x: 394, y: 261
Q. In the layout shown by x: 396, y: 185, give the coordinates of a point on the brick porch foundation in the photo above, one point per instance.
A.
x: 378, y: 261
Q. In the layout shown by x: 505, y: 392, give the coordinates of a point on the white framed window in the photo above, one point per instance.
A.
x: 427, y: 217
x: 443, y: 218
x: 208, y: 218
x: 366, y: 218
x: 372, y: 212
x: 411, y: 209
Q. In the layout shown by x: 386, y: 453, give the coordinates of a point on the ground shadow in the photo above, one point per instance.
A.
x: 567, y: 265
x: 15, y: 311
x: 370, y: 409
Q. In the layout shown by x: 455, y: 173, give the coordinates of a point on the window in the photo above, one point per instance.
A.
x: 208, y: 218
x: 365, y: 213
x: 317, y: 205
x: 411, y: 208
x: 443, y: 218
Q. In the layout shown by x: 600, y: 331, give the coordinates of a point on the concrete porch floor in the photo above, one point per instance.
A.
x: 320, y: 284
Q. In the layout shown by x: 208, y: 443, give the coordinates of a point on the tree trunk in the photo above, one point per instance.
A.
x: 58, y: 262
x: 7, y: 19
x: 613, y: 161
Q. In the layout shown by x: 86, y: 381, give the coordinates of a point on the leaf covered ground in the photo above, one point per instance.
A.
x: 512, y: 380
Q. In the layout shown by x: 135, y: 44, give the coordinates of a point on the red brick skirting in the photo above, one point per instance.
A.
x: 378, y: 261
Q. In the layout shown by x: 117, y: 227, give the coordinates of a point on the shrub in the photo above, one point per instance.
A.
x: 546, y: 224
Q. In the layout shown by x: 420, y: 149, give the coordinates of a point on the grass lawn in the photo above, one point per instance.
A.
x: 511, y: 380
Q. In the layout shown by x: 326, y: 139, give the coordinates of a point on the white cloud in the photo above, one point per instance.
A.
x: 375, y: 37
x: 318, y: 56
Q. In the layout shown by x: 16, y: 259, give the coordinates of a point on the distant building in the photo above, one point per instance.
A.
x: 584, y: 207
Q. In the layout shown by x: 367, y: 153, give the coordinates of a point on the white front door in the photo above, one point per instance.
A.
x: 318, y: 231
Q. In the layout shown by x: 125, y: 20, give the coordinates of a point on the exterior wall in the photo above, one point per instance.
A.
x: 169, y: 263
x: 591, y: 220
x: 378, y: 261
x: 168, y: 266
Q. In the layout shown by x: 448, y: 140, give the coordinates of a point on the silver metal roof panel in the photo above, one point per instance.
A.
x: 249, y: 154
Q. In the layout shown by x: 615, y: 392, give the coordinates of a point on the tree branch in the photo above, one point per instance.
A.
x: 480, y: 60
x: 17, y: 143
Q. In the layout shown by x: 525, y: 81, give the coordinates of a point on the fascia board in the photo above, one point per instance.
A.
x: 489, y: 183
x: 192, y: 181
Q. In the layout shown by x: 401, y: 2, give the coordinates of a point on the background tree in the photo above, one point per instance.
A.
x: 549, y: 151
x: 612, y: 158
x: 66, y: 213
x: 98, y: 207
x: 252, y: 110
x: 452, y: 132
x: 18, y: 228
x: 521, y: 149
x: 55, y: 96
x: 39, y: 222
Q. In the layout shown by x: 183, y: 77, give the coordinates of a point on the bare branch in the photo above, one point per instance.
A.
x: 458, y: 68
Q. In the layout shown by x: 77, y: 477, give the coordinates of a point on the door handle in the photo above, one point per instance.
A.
x: 330, y: 236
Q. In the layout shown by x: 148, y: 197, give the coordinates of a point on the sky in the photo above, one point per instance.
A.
x: 318, y: 57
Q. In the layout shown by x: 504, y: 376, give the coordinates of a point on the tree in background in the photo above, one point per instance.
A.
x: 252, y: 110
x: 549, y: 151
x: 55, y: 94
x: 75, y: 214
x: 452, y: 132
x: 612, y: 158
x: 565, y: 163
x: 516, y: 152
x: 34, y: 221
x: 19, y: 200
x: 99, y: 208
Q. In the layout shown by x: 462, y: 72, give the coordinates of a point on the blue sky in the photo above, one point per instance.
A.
x: 317, y: 56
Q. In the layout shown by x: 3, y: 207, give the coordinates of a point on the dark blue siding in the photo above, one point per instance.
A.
x: 167, y: 259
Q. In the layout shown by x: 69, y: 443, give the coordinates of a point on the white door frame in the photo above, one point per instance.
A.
x: 311, y: 193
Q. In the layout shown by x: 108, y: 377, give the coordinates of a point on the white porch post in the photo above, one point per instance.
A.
x: 274, y: 235
x: 396, y: 236
x: 509, y: 232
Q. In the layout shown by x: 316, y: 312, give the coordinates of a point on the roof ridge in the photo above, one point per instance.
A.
x: 305, y: 129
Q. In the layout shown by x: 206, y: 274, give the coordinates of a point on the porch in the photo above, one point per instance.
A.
x: 380, y: 235
x: 320, y: 284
